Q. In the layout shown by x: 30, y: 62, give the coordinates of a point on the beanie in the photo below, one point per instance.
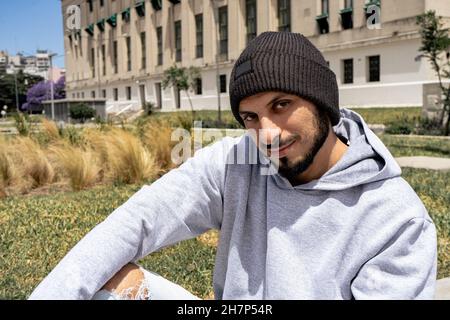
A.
x: 286, y: 62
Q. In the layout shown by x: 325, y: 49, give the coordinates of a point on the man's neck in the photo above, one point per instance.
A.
x: 332, y: 150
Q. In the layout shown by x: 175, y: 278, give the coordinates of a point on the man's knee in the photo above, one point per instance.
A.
x: 127, y: 282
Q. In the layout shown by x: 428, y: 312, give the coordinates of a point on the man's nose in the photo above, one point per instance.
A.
x: 269, y: 132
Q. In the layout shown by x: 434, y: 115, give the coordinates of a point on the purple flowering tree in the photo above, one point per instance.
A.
x: 41, y: 92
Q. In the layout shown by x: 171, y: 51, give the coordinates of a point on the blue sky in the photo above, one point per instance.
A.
x: 27, y: 25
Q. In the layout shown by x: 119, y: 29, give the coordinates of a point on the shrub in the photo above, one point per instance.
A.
x: 81, y: 112
x: 79, y: 165
x: 22, y: 123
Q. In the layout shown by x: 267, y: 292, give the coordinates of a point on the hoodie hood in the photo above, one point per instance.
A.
x: 366, y: 160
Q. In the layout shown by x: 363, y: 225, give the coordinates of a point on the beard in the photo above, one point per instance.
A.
x: 291, y: 171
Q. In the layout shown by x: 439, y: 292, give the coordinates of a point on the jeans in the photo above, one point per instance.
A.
x: 153, y: 287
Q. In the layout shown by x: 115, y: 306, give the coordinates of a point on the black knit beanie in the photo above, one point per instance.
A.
x: 287, y: 62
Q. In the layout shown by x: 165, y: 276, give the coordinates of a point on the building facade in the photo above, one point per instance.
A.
x: 123, y: 47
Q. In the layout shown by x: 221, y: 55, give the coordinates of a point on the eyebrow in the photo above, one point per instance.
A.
x: 271, y: 102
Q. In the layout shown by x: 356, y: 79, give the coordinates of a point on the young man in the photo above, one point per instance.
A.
x: 336, y: 221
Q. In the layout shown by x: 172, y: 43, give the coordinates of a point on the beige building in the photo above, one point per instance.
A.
x: 124, y: 46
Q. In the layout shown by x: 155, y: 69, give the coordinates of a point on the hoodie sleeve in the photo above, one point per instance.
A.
x: 404, y: 269
x: 182, y: 204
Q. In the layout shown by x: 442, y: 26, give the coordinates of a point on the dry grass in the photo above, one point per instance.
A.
x: 157, y: 137
x: 50, y: 129
x: 80, y: 166
x: 8, y: 172
x: 32, y: 161
x: 125, y: 158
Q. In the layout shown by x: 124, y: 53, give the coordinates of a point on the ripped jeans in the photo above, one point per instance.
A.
x: 153, y: 287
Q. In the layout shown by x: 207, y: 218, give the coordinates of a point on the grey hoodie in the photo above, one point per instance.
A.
x: 360, y: 231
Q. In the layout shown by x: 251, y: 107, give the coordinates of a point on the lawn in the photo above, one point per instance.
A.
x: 37, y: 231
x: 417, y: 146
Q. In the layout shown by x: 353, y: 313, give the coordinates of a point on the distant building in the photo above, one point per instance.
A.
x: 3, y: 61
x: 124, y: 46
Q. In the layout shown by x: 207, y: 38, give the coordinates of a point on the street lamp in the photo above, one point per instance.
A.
x: 51, y: 55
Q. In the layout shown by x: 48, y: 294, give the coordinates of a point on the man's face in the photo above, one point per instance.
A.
x: 288, y: 125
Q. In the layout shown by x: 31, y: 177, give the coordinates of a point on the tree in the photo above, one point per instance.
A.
x: 182, y: 79
x: 41, y: 92
x: 435, y: 47
x: 8, y: 88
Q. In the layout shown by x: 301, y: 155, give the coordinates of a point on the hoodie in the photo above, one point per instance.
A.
x: 358, y: 232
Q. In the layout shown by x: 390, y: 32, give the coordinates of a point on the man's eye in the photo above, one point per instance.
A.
x: 249, y: 117
x: 282, y: 104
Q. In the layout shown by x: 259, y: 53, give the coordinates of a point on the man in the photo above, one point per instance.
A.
x: 335, y: 222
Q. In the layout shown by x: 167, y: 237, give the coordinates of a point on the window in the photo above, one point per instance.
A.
x: 198, y: 86
x: 143, y: 51
x: 91, y: 5
x: 116, y: 94
x: 93, y: 94
x: 223, y: 83
x: 325, y: 7
x: 82, y: 95
x: 160, y: 45
x: 104, y: 59
x: 104, y: 93
x: 177, y: 29
x: 115, y: 57
x: 347, y: 70
x: 250, y: 13
x: 284, y: 15
x: 102, y: 3
x: 223, y: 30
x: 128, y: 91
x: 374, y: 68
x: 199, y: 36
x: 128, y: 43
x: 93, y: 62
x: 348, y: 4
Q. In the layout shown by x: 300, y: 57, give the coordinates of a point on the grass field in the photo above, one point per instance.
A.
x: 37, y: 231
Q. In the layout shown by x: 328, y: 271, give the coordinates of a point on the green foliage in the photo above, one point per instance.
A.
x: 82, y: 112
x: 435, y: 46
x: 418, y: 146
x: 22, y: 123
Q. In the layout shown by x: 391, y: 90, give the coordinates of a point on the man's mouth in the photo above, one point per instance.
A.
x: 282, y: 151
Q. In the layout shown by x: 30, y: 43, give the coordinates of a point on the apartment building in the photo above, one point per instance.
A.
x: 123, y: 47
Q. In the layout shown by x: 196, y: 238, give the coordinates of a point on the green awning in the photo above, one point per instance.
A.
x: 112, y: 21
x: 157, y: 4
x: 90, y: 29
x: 346, y: 10
x: 140, y: 9
x: 101, y: 25
x: 322, y: 16
x: 126, y: 15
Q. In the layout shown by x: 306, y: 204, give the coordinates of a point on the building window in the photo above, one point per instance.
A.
x: 82, y: 95
x: 104, y: 59
x: 104, y: 93
x: 347, y: 70
x: 128, y: 43
x: 223, y: 83
x: 93, y: 94
x: 284, y: 15
x: 102, y: 3
x: 160, y: 45
x: 199, y: 36
x: 325, y: 7
x: 128, y: 91
x: 116, y: 94
x: 250, y: 18
x: 223, y: 31
x: 90, y: 5
x: 198, y: 86
x: 374, y: 68
x: 143, y: 51
x: 348, y: 4
x: 178, y: 44
x: 115, y: 57
x: 93, y: 62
